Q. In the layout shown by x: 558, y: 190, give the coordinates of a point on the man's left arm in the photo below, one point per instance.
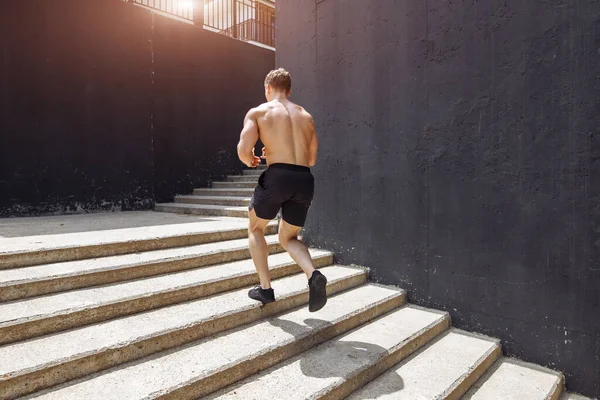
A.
x: 248, y: 139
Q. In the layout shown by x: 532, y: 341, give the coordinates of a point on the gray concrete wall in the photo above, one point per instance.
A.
x: 104, y: 106
x: 460, y: 159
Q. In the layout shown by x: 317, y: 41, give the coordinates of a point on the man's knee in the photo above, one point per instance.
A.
x: 283, y: 240
x: 254, y: 228
x: 285, y: 237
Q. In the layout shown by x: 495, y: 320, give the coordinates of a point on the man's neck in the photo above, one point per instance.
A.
x: 280, y: 96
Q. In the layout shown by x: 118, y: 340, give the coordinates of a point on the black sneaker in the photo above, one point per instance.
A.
x: 317, y: 285
x: 263, y: 295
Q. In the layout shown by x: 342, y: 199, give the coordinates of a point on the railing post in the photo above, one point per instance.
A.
x: 234, y: 28
x: 198, y: 12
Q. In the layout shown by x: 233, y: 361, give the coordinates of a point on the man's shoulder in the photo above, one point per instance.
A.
x: 305, y: 113
x: 301, y: 110
x: 257, y: 111
x: 263, y: 108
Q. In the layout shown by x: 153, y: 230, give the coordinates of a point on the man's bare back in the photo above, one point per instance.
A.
x: 288, y: 133
x: 286, y: 129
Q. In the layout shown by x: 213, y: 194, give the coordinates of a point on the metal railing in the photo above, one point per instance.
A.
x: 247, y: 20
x: 179, y: 8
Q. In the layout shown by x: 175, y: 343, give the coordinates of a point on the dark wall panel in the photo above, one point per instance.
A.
x: 74, y: 107
x: 460, y: 160
x: 105, y: 106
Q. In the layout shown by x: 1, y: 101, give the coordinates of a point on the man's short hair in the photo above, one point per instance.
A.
x: 279, y: 79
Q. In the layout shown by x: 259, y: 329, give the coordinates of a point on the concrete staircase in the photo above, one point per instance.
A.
x: 229, y: 198
x: 162, y: 312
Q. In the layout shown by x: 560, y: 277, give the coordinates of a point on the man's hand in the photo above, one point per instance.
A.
x: 264, y: 153
x: 252, y: 161
x: 255, y: 162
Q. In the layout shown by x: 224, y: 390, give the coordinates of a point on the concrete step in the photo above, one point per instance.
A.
x: 511, y: 379
x: 214, y: 200
x: 253, y: 172
x: 203, y: 209
x: 573, y: 396
x: 208, y: 365
x: 44, y: 249
x: 234, y: 185
x: 54, y: 359
x: 243, y: 178
x: 335, y: 369
x: 24, y: 319
x: 20, y: 283
x: 445, y: 369
x: 224, y: 192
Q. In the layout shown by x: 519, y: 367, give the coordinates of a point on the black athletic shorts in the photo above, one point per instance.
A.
x: 287, y: 187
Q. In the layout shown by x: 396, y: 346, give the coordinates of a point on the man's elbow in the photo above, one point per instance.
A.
x: 312, y: 157
x: 241, y: 149
x: 242, y: 155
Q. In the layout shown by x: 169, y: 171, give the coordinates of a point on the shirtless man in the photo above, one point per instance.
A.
x: 288, y: 133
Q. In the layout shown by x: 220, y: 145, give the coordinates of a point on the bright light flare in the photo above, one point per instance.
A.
x: 186, y: 5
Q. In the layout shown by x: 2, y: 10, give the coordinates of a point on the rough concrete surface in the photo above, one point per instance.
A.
x: 435, y: 371
x: 49, y: 278
x: 212, y: 364
x: 242, y: 178
x: 510, y: 379
x: 234, y: 185
x: 573, y: 396
x: 224, y: 192
x: 216, y: 200
x: 60, y: 224
x: 203, y: 209
x: 320, y: 370
x: 41, y: 315
x: 461, y: 139
x: 53, y: 359
x: 23, y: 249
x: 252, y: 172
x: 77, y: 230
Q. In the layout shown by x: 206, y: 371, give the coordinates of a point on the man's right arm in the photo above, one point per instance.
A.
x: 314, y: 145
x: 248, y: 139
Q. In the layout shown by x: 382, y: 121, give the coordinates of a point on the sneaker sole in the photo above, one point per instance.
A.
x: 319, y: 299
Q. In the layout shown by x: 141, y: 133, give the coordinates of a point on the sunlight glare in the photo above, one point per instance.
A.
x: 186, y: 4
